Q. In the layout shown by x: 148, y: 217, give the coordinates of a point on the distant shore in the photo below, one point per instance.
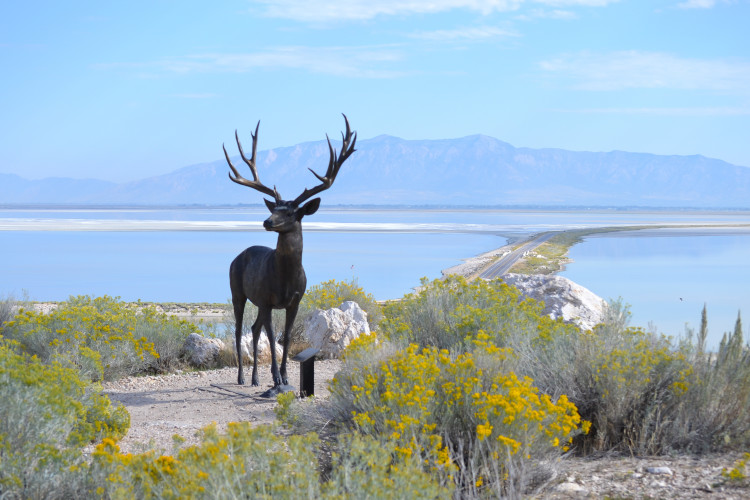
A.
x: 553, y: 262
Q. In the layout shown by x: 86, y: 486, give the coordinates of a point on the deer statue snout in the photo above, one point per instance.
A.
x: 282, y: 220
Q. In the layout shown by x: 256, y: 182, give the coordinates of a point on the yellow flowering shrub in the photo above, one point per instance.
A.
x: 243, y: 462
x: 47, y: 414
x: 103, y: 337
x: 448, y: 313
x: 464, y: 415
x: 738, y: 475
x: 367, y: 467
x: 633, y: 381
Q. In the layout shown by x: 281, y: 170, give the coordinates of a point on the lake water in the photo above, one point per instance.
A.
x: 183, y: 254
x: 667, y: 276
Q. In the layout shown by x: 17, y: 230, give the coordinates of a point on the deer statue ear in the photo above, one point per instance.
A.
x: 270, y: 204
x: 309, y: 208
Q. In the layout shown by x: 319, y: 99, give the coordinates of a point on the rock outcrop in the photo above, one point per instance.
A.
x: 200, y: 351
x: 562, y: 298
x: 332, y: 330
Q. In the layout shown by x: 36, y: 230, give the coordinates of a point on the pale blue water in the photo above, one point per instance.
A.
x: 182, y: 255
x: 666, y: 279
x: 378, y: 248
x: 193, y: 266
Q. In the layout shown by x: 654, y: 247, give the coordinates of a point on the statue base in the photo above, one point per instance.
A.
x: 276, y: 390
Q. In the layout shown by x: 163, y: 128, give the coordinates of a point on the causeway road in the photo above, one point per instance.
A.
x: 501, y: 267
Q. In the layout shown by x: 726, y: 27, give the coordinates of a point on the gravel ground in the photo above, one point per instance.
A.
x: 161, y: 406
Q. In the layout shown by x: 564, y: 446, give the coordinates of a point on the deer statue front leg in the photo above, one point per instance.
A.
x: 272, y: 348
x: 291, y: 314
x: 257, y: 326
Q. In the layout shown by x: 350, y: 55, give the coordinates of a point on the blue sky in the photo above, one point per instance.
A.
x: 123, y: 90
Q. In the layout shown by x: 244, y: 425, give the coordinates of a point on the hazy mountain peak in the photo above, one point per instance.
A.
x: 472, y: 170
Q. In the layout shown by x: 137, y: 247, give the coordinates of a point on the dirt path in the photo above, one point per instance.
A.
x: 161, y: 406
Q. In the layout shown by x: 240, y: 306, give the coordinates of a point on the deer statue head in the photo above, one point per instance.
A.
x: 274, y: 278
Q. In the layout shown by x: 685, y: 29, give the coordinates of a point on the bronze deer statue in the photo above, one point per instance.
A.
x: 274, y: 278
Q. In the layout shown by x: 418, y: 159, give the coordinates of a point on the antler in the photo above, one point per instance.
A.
x: 255, y: 183
x: 334, y: 164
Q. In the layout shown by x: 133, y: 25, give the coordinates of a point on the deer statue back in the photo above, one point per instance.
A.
x: 274, y: 278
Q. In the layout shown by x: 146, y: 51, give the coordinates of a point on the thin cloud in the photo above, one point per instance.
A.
x: 577, y: 3
x: 702, y: 4
x: 644, y: 70
x: 325, y: 11
x: 548, y: 14
x: 465, y: 34
x: 352, y: 62
x: 195, y: 96
x: 697, y: 4
x: 660, y: 111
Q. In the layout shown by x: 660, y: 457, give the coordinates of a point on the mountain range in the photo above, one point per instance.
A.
x: 473, y: 171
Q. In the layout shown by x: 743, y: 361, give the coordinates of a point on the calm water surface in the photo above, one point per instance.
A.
x: 667, y: 278
x: 193, y: 266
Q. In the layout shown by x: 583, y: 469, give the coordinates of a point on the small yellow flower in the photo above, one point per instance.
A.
x: 484, y: 431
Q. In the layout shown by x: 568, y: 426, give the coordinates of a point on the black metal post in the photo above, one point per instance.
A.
x: 306, y: 371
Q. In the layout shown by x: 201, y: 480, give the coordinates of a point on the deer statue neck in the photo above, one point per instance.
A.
x: 289, y: 248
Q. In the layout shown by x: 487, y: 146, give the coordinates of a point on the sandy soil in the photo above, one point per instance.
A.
x: 161, y: 406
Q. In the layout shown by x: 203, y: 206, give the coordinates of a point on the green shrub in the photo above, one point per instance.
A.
x: 448, y: 313
x: 8, y: 308
x: 629, y: 383
x: 714, y: 412
x: 333, y: 293
x: 47, y: 414
x: 103, y: 337
x: 367, y: 467
x: 643, y: 392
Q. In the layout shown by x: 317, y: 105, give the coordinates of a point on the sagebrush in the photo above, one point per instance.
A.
x: 103, y: 337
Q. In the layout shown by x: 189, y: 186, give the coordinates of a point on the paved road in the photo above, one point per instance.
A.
x: 503, y: 265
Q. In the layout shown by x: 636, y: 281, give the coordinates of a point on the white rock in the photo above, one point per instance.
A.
x: 659, y: 470
x: 264, y: 353
x: 570, y: 488
x: 562, y: 298
x: 332, y: 330
x: 201, y: 351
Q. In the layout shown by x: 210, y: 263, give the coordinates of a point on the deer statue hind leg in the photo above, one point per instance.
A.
x: 267, y: 321
x: 238, y: 304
